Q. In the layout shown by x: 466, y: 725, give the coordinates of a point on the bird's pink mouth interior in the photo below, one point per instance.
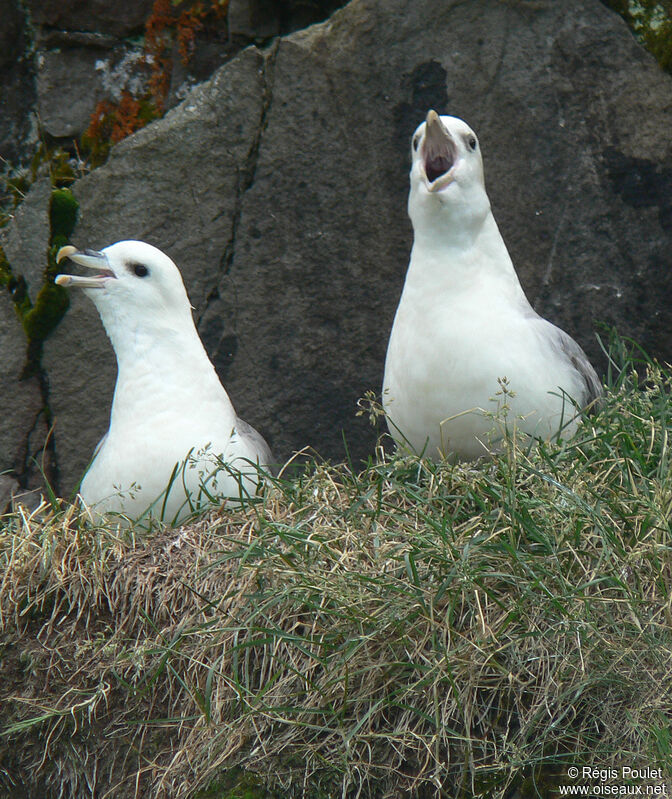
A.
x: 437, y: 165
x: 439, y: 154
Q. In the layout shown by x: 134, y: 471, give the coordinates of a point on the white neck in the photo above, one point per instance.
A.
x: 446, y: 258
x: 147, y: 355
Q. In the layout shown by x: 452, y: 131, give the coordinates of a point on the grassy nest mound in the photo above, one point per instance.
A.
x: 404, y: 629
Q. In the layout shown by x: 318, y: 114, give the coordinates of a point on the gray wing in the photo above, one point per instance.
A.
x: 257, y: 442
x: 572, y: 352
x: 99, y: 446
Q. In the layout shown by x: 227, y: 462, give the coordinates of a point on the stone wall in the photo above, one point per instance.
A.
x: 279, y: 188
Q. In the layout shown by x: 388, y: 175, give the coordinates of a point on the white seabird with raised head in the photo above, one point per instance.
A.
x: 174, y: 443
x: 465, y: 341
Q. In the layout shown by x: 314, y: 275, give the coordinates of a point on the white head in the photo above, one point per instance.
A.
x: 447, y: 184
x: 136, y: 289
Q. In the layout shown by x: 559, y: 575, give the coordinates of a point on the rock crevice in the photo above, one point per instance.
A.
x: 246, y: 173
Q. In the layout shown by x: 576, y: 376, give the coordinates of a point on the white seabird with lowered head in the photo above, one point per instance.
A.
x: 175, y: 443
x: 467, y: 353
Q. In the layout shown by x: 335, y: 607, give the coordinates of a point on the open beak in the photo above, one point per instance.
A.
x: 89, y: 258
x: 439, y: 153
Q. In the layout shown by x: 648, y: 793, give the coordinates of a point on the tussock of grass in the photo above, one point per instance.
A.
x: 411, y: 629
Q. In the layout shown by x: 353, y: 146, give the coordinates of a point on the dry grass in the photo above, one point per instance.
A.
x: 407, y: 630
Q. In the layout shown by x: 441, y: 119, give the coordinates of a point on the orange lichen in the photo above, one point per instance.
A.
x: 170, y: 22
x: 112, y: 122
x: 115, y: 121
x: 194, y: 19
x: 189, y: 22
x: 157, y: 41
x: 167, y: 24
x: 127, y: 118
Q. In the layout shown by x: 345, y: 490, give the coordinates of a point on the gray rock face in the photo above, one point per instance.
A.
x: 252, y: 18
x: 26, y: 239
x: 58, y: 73
x: 122, y: 18
x: 17, y: 82
x: 23, y: 424
x: 279, y: 188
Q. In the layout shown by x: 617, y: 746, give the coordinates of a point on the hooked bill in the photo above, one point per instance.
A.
x: 438, y: 150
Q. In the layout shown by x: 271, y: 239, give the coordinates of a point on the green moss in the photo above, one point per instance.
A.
x: 15, y: 181
x: 62, y: 216
x: 57, y: 163
x: 50, y: 305
x: 5, y: 269
x: 60, y: 169
x: 52, y: 301
x: 95, y: 149
x: 148, y: 111
x: 19, y: 292
x: 16, y: 286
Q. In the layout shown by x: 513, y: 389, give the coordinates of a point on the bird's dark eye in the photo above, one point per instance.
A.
x: 138, y: 269
x: 416, y: 141
x: 472, y: 142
